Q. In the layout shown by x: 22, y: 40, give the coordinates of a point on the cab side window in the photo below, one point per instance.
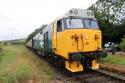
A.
x: 59, y: 26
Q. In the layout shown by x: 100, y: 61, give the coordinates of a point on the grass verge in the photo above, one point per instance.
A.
x: 19, y: 65
x: 114, y: 59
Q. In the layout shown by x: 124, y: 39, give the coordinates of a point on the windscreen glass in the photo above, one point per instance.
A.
x: 89, y: 23
x: 74, y: 23
x: 80, y: 23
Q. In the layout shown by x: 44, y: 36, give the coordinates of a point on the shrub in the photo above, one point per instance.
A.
x: 122, y: 44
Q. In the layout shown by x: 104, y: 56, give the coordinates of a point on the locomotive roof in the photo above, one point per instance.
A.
x: 77, y: 13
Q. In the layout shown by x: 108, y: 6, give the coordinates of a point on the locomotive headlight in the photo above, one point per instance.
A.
x: 75, y: 12
x: 88, y: 13
x: 71, y: 11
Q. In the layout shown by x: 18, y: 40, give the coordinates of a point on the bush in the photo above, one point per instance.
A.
x: 122, y: 44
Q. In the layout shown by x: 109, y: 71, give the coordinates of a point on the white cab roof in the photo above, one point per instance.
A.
x: 75, y: 12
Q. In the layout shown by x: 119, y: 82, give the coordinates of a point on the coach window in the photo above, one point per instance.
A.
x: 59, y: 26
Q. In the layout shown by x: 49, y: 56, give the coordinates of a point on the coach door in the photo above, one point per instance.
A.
x: 46, y: 41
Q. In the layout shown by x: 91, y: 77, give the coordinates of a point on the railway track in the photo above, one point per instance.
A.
x: 117, y: 76
x: 94, y: 76
x: 100, y: 76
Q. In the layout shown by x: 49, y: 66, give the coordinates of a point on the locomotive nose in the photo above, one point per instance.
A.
x: 78, y: 39
x: 85, y: 41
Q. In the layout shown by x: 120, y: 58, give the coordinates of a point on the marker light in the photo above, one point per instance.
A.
x: 71, y: 11
x: 88, y: 13
x: 75, y: 12
x: 97, y: 36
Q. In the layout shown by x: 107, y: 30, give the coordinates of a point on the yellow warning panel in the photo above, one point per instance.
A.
x: 73, y: 66
x: 95, y: 64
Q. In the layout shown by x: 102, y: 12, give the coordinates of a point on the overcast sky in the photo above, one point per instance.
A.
x: 18, y: 18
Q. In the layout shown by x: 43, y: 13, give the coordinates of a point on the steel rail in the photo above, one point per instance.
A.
x: 117, y: 76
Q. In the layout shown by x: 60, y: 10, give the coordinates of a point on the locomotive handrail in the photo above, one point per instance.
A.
x: 82, y: 44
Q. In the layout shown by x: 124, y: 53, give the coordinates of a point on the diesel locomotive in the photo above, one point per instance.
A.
x: 73, y: 41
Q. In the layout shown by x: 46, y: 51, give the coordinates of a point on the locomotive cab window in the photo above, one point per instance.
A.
x: 75, y: 23
x: 90, y: 23
x: 59, y: 25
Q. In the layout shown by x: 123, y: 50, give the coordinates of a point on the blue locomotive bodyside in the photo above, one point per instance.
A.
x: 47, y: 37
x: 38, y: 41
x: 43, y: 40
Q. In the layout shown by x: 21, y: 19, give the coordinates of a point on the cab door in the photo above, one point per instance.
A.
x: 57, y: 36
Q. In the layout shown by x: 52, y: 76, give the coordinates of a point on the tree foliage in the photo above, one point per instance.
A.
x: 111, y: 11
x: 30, y: 36
x: 110, y: 15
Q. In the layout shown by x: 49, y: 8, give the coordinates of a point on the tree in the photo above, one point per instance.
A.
x: 109, y: 14
x: 111, y: 11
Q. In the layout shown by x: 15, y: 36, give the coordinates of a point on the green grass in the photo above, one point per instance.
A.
x: 122, y: 44
x: 18, y: 64
x: 114, y: 59
x: 23, y: 72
